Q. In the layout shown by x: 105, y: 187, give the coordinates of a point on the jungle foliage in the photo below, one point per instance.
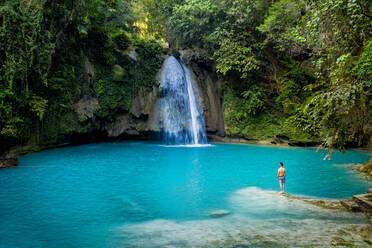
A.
x: 54, y: 53
x: 296, y: 68
x: 304, y: 64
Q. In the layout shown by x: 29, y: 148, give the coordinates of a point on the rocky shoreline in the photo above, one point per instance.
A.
x: 358, y: 203
x: 8, y: 162
x: 277, y: 140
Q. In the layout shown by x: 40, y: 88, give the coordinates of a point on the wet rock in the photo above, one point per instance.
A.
x: 350, y: 205
x: 209, y: 88
x: 326, y: 204
x: 279, y: 139
x: 365, y: 232
x: 8, y: 162
x: 125, y: 125
x: 219, y: 213
x: 366, y: 168
x: 369, y: 190
x: 144, y: 104
x: 230, y: 139
x: 88, y: 74
x: 304, y: 143
x: 365, y: 203
x: 86, y: 107
x: 141, y: 119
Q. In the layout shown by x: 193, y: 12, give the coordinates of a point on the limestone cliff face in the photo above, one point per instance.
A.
x: 209, y: 89
x: 143, y: 117
x: 139, y: 122
x: 210, y: 93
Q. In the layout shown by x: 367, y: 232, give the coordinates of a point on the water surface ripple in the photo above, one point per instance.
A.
x: 142, y: 194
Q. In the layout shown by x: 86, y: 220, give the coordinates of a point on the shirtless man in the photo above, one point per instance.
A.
x: 281, y: 177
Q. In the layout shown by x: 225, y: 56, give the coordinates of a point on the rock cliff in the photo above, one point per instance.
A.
x: 210, y: 92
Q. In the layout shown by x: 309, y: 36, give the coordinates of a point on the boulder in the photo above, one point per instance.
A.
x: 366, y: 168
x: 350, y: 205
x: 365, y: 202
x: 8, y: 162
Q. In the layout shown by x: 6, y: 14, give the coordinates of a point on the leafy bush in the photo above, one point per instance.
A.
x: 25, y: 58
x: 150, y: 60
x: 121, y: 40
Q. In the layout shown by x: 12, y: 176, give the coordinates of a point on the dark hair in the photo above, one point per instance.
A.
x: 281, y: 163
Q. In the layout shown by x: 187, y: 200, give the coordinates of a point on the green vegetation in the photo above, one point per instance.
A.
x: 296, y: 68
x: 367, y: 168
x: 301, y: 68
x: 55, y: 53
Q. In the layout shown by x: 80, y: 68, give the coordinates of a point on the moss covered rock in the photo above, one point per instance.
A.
x: 118, y: 73
x: 367, y: 168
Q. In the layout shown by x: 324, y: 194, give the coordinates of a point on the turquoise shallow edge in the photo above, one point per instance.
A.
x: 129, y: 194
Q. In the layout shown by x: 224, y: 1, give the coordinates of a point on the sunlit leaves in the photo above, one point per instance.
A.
x: 235, y: 56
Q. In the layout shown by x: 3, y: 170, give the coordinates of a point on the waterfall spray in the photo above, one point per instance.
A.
x: 181, y: 112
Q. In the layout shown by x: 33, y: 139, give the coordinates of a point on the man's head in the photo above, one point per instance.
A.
x: 281, y: 164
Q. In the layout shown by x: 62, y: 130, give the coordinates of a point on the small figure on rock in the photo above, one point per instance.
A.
x: 281, y: 177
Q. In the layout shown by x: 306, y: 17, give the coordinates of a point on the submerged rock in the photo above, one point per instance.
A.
x: 219, y: 213
x: 326, y: 204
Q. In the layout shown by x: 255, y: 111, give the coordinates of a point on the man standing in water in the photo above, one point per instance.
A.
x: 281, y: 177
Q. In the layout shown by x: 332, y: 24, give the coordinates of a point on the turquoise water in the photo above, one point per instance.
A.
x: 142, y: 194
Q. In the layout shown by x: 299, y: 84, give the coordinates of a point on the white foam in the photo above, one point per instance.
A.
x: 308, y: 226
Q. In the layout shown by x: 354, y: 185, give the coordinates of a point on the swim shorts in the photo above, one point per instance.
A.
x: 281, y: 179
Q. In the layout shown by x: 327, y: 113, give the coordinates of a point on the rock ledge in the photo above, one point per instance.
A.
x: 8, y: 162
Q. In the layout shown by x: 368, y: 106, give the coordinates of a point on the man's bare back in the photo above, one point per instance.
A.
x: 281, y: 171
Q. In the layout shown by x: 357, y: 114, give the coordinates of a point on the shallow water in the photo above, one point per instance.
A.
x: 142, y: 194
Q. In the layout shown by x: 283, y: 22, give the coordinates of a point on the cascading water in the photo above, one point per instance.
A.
x: 181, y: 112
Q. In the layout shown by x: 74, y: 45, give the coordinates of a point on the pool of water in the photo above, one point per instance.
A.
x: 143, y: 194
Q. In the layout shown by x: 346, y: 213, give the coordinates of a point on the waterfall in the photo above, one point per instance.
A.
x: 181, y: 112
